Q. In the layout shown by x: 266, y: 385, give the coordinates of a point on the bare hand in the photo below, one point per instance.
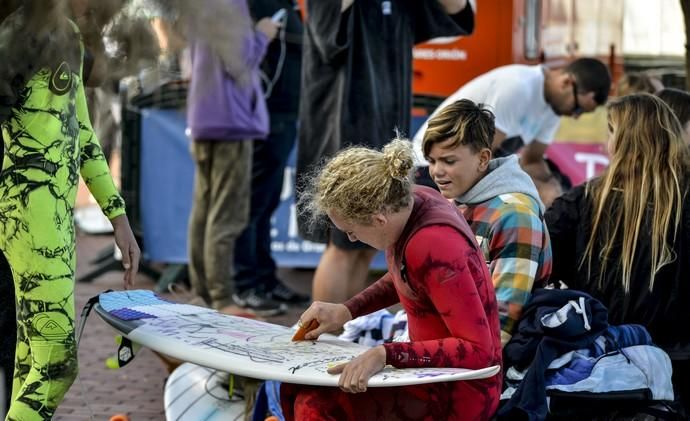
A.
x: 355, y: 375
x: 453, y: 6
x: 268, y: 27
x: 331, y: 317
x: 124, y: 238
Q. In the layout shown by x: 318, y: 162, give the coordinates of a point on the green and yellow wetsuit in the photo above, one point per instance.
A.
x: 48, y: 141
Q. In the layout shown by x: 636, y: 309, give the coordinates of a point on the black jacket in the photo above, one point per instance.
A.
x: 665, y: 311
x: 357, y: 75
x: 535, y: 346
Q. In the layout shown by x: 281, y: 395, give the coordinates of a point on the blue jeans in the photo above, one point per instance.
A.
x: 255, y: 268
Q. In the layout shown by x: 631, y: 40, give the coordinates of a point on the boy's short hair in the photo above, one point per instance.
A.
x: 463, y: 121
x: 591, y: 75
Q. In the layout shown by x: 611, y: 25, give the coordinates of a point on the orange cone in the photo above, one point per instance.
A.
x: 120, y: 417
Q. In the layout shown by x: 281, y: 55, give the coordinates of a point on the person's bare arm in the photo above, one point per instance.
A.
x: 452, y: 6
x: 549, y: 190
x: 169, y: 38
x: 532, y: 160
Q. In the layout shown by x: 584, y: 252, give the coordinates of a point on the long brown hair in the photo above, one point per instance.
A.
x: 646, y: 180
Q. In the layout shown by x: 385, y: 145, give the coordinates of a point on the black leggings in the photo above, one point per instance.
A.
x: 8, y: 329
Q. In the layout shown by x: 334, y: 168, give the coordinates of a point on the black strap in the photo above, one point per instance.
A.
x: 85, y: 311
x: 125, y: 353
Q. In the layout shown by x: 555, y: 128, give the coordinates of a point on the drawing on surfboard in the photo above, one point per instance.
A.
x: 248, y: 347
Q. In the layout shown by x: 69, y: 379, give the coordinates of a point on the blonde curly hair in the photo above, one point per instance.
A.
x: 359, y: 182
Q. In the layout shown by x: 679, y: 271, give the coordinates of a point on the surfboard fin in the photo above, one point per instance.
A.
x: 125, y: 353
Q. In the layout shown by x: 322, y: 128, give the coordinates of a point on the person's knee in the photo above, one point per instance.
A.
x: 351, y: 256
x: 61, y: 374
x: 70, y: 370
x: 225, y: 233
x: 340, y: 253
x: 367, y: 255
x: 56, y: 363
x: 45, y: 384
x: 52, y: 347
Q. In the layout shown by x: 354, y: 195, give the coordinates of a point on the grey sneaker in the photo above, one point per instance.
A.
x: 259, y: 303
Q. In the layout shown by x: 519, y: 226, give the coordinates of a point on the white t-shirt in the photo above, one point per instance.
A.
x: 515, y: 94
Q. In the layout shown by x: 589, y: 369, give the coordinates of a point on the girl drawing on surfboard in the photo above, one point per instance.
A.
x: 435, y: 270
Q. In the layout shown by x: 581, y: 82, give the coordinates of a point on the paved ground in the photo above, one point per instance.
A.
x: 137, y: 389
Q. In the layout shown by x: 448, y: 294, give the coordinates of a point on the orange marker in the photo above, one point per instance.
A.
x: 119, y: 417
x: 304, y: 329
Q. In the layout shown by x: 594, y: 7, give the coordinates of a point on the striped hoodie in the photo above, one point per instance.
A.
x: 507, y: 217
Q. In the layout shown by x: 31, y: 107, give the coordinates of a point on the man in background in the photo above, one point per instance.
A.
x: 357, y: 90
x: 255, y: 278
x: 528, y: 102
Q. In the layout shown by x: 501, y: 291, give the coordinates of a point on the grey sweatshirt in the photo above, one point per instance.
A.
x: 505, y: 176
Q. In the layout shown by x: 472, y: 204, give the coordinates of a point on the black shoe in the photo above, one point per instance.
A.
x: 283, y: 294
x: 259, y: 303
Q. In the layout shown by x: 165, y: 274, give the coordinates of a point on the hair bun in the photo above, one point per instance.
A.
x: 398, y: 158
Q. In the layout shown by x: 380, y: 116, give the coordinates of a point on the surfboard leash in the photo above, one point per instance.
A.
x: 126, y: 348
x: 85, y: 311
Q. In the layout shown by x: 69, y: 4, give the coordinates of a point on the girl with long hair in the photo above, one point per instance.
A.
x: 624, y: 237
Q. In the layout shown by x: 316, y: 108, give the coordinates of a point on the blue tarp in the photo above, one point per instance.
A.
x: 167, y: 180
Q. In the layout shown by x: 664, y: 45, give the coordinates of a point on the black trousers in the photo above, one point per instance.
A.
x: 8, y: 329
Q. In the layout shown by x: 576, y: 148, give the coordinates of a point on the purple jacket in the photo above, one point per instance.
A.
x: 220, y: 108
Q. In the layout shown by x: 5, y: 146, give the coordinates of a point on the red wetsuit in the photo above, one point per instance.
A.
x: 446, y: 289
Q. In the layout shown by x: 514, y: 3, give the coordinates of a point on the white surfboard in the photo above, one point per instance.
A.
x: 248, y: 347
x: 193, y: 392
